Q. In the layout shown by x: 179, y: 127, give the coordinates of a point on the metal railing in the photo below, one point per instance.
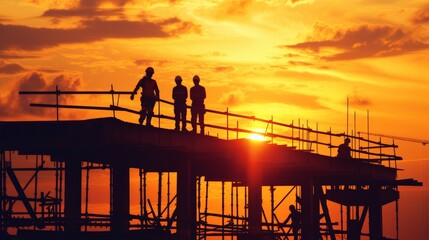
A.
x: 293, y: 135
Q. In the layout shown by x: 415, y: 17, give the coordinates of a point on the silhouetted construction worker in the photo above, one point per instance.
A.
x: 198, y: 94
x: 296, y: 217
x: 344, y: 150
x: 180, y: 94
x: 150, y: 94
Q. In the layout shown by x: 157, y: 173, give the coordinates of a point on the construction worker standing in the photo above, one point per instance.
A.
x: 150, y: 94
x: 198, y: 94
x: 180, y: 94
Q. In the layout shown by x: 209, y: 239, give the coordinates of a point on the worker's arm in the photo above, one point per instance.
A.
x: 135, y: 90
x: 156, y: 90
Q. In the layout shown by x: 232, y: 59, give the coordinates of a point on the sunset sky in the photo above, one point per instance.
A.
x: 290, y: 59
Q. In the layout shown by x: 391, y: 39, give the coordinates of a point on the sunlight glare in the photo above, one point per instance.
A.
x: 256, y: 137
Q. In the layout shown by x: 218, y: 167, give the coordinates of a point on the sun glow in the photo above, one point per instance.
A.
x: 256, y: 137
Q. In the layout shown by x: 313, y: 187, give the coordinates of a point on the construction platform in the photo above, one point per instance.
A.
x: 122, y: 146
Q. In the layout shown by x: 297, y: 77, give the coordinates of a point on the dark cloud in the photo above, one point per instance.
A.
x: 11, y: 68
x: 81, y: 12
x: 89, y: 9
x: 143, y: 62
x: 421, y: 16
x: 13, y: 56
x: 27, y: 38
x: 365, y: 41
x: 4, y: 19
x: 356, y: 99
x: 223, y: 69
x: 300, y: 63
x: 15, y: 105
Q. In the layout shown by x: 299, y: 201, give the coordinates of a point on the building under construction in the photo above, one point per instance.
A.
x: 160, y: 182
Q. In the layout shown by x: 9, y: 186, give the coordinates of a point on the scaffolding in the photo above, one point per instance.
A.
x: 30, y: 207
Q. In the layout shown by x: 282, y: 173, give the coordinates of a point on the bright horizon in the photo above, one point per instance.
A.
x: 291, y: 60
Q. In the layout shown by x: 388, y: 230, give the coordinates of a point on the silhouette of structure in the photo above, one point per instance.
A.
x: 315, y: 180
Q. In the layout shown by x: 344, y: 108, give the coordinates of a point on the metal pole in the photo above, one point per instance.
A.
x: 168, y: 196
x: 35, y: 186
x: 223, y: 210
x: 159, y: 111
x: 56, y: 196
x: 144, y: 195
x: 272, y: 189
x: 60, y: 188
x: 56, y: 99
x: 206, y: 207
x: 141, y: 197
x: 227, y: 124
x: 159, y: 194
x: 86, y: 196
x: 236, y: 131
x: 272, y: 129
x: 198, y: 205
x: 2, y: 191
x: 113, y: 99
x: 232, y: 211
x: 236, y: 206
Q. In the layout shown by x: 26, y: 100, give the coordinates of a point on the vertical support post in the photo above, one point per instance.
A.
x: 375, y: 214
x: 121, y: 199
x: 272, y: 189
x: 223, y: 210
x: 2, y: 194
x: 113, y: 99
x: 186, y: 201
x: 159, y: 195
x: 73, y: 196
x: 141, y: 197
x: 227, y: 124
x: 255, y: 205
x: 307, y: 203
x: 236, y: 132
x: 272, y: 129
x: 57, y: 91
x: 86, y: 194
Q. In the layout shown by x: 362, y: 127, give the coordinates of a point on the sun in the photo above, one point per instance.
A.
x: 256, y: 137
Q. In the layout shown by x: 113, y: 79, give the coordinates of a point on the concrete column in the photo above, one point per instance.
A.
x: 375, y: 214
x: 255, y: 200
x: 73, y: 196
x: 307, y: 198
x: 121, y: 199
x: 186, y: 202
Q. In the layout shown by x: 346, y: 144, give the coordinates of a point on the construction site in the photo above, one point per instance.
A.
x: 158, y: 183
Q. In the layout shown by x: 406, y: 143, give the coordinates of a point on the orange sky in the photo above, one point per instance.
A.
x: 291, y: 59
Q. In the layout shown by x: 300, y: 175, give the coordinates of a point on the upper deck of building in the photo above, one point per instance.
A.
x: 110, y: 141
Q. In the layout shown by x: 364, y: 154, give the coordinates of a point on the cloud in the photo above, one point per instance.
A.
x: 88, y: 8
x: 15, y: 105
x: 232, y: 98
x: 223, y: 69
x: 299, y: 2
x: 11, y: 68
x: 18, y: 37
x: 4, y: 19
x: 356, y: 99
x: 421, y: 16
x: 13, y: 56
x: 364, y: 41
x: 85, y: 12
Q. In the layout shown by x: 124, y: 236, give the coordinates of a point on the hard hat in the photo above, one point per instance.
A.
x: 196, y: 78
x: 178, y: 79
x: 150, y: 70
